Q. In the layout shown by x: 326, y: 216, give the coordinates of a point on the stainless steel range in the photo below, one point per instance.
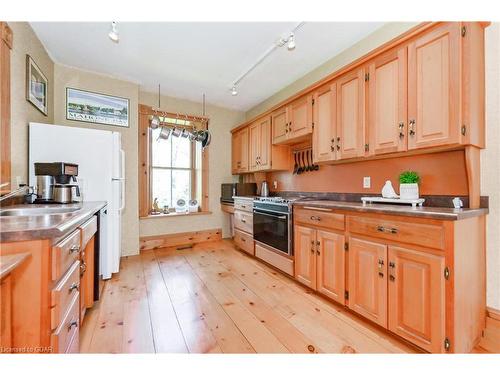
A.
x: 273, y: 224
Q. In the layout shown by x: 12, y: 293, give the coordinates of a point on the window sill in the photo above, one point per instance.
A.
x: 175, y: 214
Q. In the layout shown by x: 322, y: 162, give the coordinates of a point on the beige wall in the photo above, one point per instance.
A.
x: 23, y: 112
x: 372, y: 41
x: 490, y: 163
x: 221, y: 121
x: 75, y: 78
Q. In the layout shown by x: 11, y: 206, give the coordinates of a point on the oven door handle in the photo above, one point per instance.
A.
x: 284, y: 217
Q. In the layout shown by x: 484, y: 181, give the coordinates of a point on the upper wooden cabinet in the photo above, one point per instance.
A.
x: 253, y: 150
x: 434, y: 88
x: 5, y: 160
x: 293, y: 122
x: 351, y: 114
x: 387, y: 103
x: 240, y: 151
x: 325, y: 123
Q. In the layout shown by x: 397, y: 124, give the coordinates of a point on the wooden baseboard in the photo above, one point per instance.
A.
x: 179, y: 239
x: 493, y: 313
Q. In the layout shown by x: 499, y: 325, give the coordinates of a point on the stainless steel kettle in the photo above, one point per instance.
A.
x: 264, y: 189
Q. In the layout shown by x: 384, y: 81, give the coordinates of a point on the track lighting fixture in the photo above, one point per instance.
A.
x: 113, y: 33
x: 281, y: 42
x: 291, y: 42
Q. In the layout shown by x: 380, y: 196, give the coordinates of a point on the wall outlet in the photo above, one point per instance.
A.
x: 367, y: 183
x: 275, y: 185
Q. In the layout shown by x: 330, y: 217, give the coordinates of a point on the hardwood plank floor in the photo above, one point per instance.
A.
x: 214, y: 299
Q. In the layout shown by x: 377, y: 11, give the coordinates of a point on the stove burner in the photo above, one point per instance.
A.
x: 275, y: 200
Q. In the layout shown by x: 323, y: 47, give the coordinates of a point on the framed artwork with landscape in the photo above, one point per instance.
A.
x: 36, y: 86
x: 96, y: 108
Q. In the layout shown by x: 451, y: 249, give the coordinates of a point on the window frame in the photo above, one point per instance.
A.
x: 145, y: 164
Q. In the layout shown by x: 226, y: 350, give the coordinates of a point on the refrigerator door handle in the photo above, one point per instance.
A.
x: 117, y: 179
x: 122, y: 159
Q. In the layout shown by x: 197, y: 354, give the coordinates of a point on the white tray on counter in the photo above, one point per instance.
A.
x: 413, y: 202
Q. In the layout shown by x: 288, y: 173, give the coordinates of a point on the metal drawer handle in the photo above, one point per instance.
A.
x: 393, y: 266
x: 380, y: 229
x: 317, y: 218
x: 243, y: 221
x: 73, y: 287
x: 387, y: 230
x: 74, y: 248
x: 83, y: 268
x: 74, y: 323
x: 243, y: 240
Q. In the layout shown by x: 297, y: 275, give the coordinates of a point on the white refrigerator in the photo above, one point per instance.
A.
x: 101, y: 174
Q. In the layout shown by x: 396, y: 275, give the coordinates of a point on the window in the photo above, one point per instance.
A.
x: 173, y: 168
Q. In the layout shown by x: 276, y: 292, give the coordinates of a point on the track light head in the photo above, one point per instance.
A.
x: 291, y: 42
x: 113, y: 33
x: 234, y: 92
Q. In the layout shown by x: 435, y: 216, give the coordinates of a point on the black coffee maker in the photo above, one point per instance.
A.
x: 56, y: 182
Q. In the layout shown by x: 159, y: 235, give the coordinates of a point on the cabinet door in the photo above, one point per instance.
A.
x: 388, y: 102
x: 5, y: 127
x: 243, y: 154
x: 417, y: 297
x: 350, y: 115
x: 6, y: 312
x: 300, y: 117
x: 279, y: 120
x: 325, y: 123
x: 330, y: 265
x: 305, y: 255
x: 434, y: 88
x: 235, y: 152
x: 367, y: 279
x: 254, y: 146
x: 265, y: 143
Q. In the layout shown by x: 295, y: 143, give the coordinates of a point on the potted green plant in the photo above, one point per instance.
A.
x: 408, y: 185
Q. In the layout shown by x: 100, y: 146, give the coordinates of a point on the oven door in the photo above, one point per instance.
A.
x: 273, y: 229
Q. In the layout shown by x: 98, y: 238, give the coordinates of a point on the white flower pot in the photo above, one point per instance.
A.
x: 408, y: 191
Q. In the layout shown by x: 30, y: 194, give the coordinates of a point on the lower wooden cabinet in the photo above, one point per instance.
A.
x: 6, y: 312
x: 400, y: 289
x: 367, y: 279
x: 417, y: 297
x: 319, y: 261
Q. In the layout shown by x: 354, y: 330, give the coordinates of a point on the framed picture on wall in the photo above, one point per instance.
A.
x: 96, y: 108
x: 36, y: 86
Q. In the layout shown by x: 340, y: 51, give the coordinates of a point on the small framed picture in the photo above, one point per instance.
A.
x: 97, y: 108
x: 36, y: 86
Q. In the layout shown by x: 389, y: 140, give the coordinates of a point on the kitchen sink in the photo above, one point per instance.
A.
x: 30, y: 211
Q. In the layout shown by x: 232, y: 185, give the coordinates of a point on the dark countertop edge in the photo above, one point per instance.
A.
x: 249, y: 197
x: 424, y: 212
x: 55, y: 232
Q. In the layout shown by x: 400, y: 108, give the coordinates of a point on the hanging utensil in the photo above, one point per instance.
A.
x: 301, y: 162
x: 309, y: 161
x: 154, y: 123
x: 296, y: 165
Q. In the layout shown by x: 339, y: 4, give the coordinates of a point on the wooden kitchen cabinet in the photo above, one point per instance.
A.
x: 6, y: 312
x: 305, y: 255
x: 87, y: 278
x: 368, y: 279
x: 5, y: 159
x: 293, y: 122
x: 319, y: 261
x: 434, y: 88
x: 330, y: 265
x: 387, y: 104
x: 350, y: 142
x: 325, y: 123
x: 263, y: 154
x: 417, y: 297
x: 240, y: 151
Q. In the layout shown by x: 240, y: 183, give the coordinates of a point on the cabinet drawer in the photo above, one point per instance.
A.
x: 243, y: 205
x: 63, y: 294
x: 319, y: 218
x: 244, y: 241
x: 65, y: 253
x: 279, y: 261
x: 88, y: 229
x: 62, y: 337
x: 428, y: 235
x: 243, y: 221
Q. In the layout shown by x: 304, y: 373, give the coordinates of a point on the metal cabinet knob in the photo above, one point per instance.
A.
x: 74, y: 249
x: 74, y: 323
x: 73, y: 287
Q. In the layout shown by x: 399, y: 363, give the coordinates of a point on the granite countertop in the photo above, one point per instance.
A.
x: 45, y: 226
x: 440, y: 213
x: 9, y: 263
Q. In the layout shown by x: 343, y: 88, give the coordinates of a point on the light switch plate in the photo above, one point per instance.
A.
x: 367, y: 183
x: 275, y: 184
